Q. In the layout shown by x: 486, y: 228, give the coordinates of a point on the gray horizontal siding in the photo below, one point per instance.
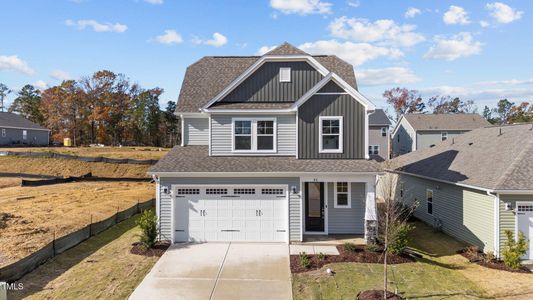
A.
x: 165, y: 212
x: 353, y: 114
x: 295, y: 215
x: 508, y: 217
x: 221, y: 134
x: 424, y: 139
x: 264, y: 85
x: 466, y: 214
x: 196, y: 131
x: 10, y: 136
x: 347, y: 220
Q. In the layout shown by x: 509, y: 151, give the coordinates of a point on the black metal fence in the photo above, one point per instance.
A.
x: 16, y: 270
x: 82, y: 158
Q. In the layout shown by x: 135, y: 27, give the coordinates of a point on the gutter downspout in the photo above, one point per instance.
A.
x: 496, y: 228
x: 158, y: 202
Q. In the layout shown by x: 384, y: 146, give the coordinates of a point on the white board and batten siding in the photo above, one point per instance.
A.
x: 221, y: 135
x: 196, y: 131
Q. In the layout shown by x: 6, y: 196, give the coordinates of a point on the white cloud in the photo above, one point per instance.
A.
x: 354, y: 3
x: 170, y: 37
x: 489, y: 95
x: 385, y: 32
x: 412, y: 12
x: 96, y: 26
x: 60, y: 75
x: 503, y: 13
x: 507, y: 82
x: 14, y: 63
x: 264, y: 50
x: 355, y: 53
x: 155, y: 2
x: 41, y: 85
x: 456, y: 15
x: 484, y: 24
x: 459, y: 45
x: 386, y: 76
x: 218, y: 40
x: 301, y: 7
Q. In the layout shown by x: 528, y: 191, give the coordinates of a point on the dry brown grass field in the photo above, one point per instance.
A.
x: 29, y: 216
x: 110, y: 152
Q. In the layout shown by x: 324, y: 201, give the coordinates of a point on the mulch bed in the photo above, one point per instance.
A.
x: 480, y: 258
x: 359, y: 255
x: 158, y: 249
x: 377, y: 295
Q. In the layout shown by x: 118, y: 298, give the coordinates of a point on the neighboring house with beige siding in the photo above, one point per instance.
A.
x: 420, y: 131
x: 475, y: 187
x: 379, y: 135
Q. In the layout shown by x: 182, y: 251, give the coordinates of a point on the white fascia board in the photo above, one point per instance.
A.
x: 249, y: 111
x: 25, y: 128
x: 514, y: 192
x: 397, y: 125
x: 443, y: 181
x: 261, y: 174
x: 319, y: 67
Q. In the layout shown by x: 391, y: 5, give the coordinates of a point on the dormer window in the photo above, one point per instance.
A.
x: 284, y: 74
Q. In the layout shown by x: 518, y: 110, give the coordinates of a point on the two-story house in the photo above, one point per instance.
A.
x: 421, y: 131
x: 274, y: 147
x: 379, y: 135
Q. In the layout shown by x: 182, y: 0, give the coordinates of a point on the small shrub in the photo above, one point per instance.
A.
x: 305, y: 260
x: 490, y: 257
x: 372, y: 247
x: 321, y: 256
x: 400, y: 240
x: 349, y: 247
x: 148, y: 224
x: 514, y: 249
x: 472, y: 252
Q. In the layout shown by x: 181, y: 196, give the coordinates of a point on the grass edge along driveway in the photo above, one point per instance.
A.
x: 100, y: 268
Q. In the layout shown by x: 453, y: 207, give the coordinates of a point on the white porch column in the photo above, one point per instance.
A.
x: 370, y: 211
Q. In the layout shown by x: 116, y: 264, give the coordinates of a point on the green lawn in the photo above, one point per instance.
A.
x: 432, y: 277
x: 99, y: 268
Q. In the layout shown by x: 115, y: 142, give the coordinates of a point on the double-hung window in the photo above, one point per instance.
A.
x: 443, y: 136
x: 342, y: 195
x: 383, y: 131
x: 254, y: 135
x: 373, y: 150
x: 429, y: 200
x: 24, y: 134
x: 330, y: 134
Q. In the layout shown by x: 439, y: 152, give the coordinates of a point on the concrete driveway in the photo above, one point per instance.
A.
x: 219, y: 271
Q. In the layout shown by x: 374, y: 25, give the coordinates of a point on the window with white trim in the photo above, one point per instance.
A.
x: 443, y: 136
x: 3, y: 132
x: 330, y: 134
x: 284, y: 74
x: 383, y: 131
x: 373, y: 150
x: 254, y: 135
x: 24, y: 134
x: 342, y: 195
x: 429, y: 201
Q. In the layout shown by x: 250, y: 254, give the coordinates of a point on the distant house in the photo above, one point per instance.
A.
x: 419, y: 131
x: 379, y: 135
x: 475, y: 187
x: 17, y: 130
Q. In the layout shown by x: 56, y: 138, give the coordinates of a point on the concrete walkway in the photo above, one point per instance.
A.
x: 219, y: 271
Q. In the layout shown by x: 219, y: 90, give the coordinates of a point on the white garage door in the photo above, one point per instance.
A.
x: 525, y: 224
x: 231, y: 213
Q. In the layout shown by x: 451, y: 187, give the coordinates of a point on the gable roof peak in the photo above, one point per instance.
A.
x: 286, y: 49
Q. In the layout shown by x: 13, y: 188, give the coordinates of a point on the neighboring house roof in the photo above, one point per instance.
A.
x: 445, y: 121
x: 209, y: 76
x: 482, y: 158
x: 378, y: 117
x: 191, y: 159
x: 11, y: 120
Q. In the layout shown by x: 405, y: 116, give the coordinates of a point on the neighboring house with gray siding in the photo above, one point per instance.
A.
x: 421, y: 131
x: 274, y: 147
x: 475, y: 187
x: 379, y: 135
x: 17, y: 130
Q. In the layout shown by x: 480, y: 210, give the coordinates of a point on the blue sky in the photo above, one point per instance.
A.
x: 478, y: 50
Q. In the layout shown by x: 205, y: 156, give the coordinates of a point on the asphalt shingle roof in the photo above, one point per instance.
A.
x: 378, y: 117
x: 482, y: 157
x: 196, y: 159
x: 13, y: 120
x: 446, y: 121
x: 207, y: 77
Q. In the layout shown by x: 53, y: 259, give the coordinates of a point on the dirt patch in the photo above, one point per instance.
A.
x: 481, y: 259
x: 66, y: 167
x: 377, y: 295
x: 359, y: 254
x: 109, y: 152
x: 49, y: 211
x: 157, y: 250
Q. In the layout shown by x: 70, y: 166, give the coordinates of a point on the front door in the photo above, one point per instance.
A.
x: 314, y: 206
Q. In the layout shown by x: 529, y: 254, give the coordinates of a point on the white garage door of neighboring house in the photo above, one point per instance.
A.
x: 231, y: 213
x: 524, y: 217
